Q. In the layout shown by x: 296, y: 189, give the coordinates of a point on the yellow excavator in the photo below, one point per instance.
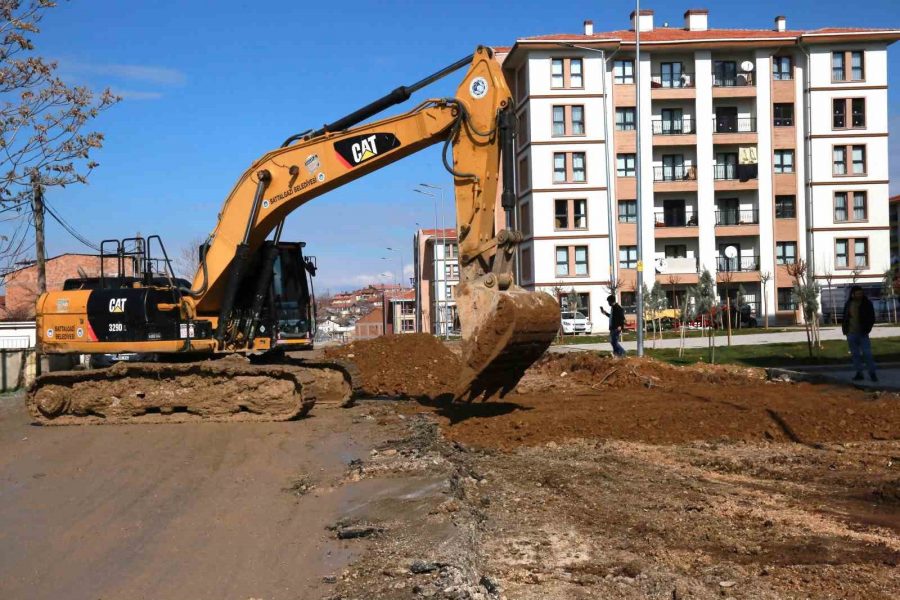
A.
x: 251, y: 293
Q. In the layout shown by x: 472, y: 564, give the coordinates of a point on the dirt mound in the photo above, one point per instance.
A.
x: 414, y: 365
x: 599, y: 371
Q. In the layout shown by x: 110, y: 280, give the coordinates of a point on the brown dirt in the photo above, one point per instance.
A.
x: 642, y: 400
x: 411, y: 366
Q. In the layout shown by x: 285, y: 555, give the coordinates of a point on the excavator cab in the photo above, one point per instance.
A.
x: 290, y: 310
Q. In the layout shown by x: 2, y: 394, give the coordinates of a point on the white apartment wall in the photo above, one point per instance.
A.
x: 876, y: 159
x: 879, y: 254
x: 765, y: 192
x: 543, y: 214
x: 647, y: 160
x: 705, y: 156
x: 876, y: 110
x: 541, y: 116
x: 539, y: 72
x: 541, y: 165
x: 875, y: 65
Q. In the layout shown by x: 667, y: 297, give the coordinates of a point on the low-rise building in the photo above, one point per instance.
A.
x: 436, y: 264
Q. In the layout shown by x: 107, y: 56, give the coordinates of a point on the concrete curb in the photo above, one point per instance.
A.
x: 778, y: 374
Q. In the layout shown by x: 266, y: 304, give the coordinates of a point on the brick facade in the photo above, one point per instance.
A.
x: 21, y: 285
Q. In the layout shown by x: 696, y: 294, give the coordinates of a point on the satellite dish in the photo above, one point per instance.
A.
x: 747, y: 65
x: 731, y: 252
x: 662, y: 265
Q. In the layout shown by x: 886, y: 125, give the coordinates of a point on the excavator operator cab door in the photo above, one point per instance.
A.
x: 292, y: 303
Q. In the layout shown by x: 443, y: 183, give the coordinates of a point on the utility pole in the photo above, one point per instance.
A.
x: 37, y: 205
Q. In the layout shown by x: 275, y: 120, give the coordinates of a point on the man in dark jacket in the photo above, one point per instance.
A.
x: 616, y: 325
x: 859, y: 318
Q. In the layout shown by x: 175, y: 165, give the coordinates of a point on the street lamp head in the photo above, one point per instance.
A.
x: 423, y: 192
x: 434, y: 187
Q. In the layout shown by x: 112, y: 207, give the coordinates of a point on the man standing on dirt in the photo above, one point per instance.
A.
x: 859, y: 318
x: 616, y: 325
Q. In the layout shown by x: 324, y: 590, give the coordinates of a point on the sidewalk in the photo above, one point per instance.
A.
x: 693, y: 340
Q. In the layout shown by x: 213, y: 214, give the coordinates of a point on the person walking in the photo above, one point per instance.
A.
x: 859, y: 318
x: 616, y: 316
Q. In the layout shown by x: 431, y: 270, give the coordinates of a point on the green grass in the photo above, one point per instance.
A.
x: 670, y: 335
x: 833, y: 352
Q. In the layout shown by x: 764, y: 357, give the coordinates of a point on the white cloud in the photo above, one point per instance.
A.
x: 137, y: 95
x: 143, y: 73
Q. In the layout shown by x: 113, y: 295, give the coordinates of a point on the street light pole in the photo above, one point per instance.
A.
x: 436, y: 319
x: 445, y: 321
x: 639, y: 286
x: 400, y: 256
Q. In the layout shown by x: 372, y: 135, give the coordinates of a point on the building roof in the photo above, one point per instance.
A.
x: 376, y: 316
x: 52, y: 258
x: 895, y: 199
x: 448, y: 233
x: 404, y: 296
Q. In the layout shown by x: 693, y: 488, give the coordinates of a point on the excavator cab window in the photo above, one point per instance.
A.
x: 291, y: 298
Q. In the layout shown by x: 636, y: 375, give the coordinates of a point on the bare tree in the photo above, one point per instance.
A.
x: 187, y: 261
x: 806, y: 294
x: 727, y: 277
x: 828, y: 276
x: 42, y: 120
x: 764, y: 278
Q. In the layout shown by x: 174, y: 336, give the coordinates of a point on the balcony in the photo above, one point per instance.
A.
x: 672, y: 80
x: 675, y: 218
x: 730, y: 78
x: 738, y: 264
x: 676, y: 266
x: 682, y: 126
x: 728, y: 124
x: 732, y: 177
x: 728, y: 217
x: 675, y: 173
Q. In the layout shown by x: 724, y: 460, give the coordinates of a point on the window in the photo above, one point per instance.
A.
x: 623, y: 71
x: 522, y: 129
x: 578, y: 169
x: 523, y: 173
x: 625, y: 165
x: 855, y: 107
x: 837, y: 66
x: 839, y: 61
x: 577, y: 120
x: 671, y: 74
x: 785, y: 253
x: 566, y: 73
x: 784, y: 161
x: 559, y: 167
x: 785, y: 207
x: 857, y: 68
x: 676, y: 251
x: 859, y: 160
x: 861, y: 253
x: 525, y: 218
x: 527, y: 264
x: 627, y: 301
x: 782, y: 68
x: 860, y: 206
x: 627, y: 211
x: 784, y: 115
x: 559, y: 120
x: 557, y: 77
x: 576, y: 301
x: 522, y: 82
x: 841, y: 254
x: 450, y: 250
x: 570, y: 214
x: 568, y: 120
x: 625, y: 119
x: 839, y: 158
x: 628, y: 257
x: 840, y: 207
x: 449, y: 292
x: 571, y: 260
x: 786, y: 299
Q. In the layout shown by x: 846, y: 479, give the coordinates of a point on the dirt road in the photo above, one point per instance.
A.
x: 190, y: 511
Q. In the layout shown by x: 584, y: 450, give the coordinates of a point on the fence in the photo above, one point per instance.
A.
x: 16, y: 368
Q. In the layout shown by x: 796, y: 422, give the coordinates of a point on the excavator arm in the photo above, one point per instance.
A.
x: 504, y: 328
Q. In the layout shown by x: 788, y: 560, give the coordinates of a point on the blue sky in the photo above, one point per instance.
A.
x: 210, y: 86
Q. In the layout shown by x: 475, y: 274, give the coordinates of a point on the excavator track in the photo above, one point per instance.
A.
x: 229, y: 389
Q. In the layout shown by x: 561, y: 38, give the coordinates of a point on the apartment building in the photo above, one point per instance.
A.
x: 436, y: 267
x: 894, y: 221
x: 757, y: 147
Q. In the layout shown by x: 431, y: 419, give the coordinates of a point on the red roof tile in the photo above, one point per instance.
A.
x: 666, y: 34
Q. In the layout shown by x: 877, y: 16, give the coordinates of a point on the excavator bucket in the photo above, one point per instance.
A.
x: 503, y: 333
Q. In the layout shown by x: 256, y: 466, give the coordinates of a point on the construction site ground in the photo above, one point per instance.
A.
x: 594, y: 479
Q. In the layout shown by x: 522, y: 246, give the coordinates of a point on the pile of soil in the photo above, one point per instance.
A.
x: 414, y: 365
x: 599, y: 371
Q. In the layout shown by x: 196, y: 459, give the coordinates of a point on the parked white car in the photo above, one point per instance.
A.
x: 575, y: 322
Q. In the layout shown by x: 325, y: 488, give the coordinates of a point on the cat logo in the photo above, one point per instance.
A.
x: 117, y: 305
x: 358, y: 149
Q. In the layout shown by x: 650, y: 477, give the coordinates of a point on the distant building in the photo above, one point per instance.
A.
x: 436, y: 265
x: 370, y: 326
x: 401, y: 312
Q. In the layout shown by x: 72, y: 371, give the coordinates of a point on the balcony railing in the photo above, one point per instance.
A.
x: 737, y: 217
x: 675, y: 173
x: 739, y: 264
x: 734, y: 124
x: 672, y: 266
x: 673, y: 126
x: 738, y: 79
x: 675, y: 218
x: 672, y: 80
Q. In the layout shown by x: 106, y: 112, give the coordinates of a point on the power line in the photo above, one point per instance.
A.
x: 72, y: 231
